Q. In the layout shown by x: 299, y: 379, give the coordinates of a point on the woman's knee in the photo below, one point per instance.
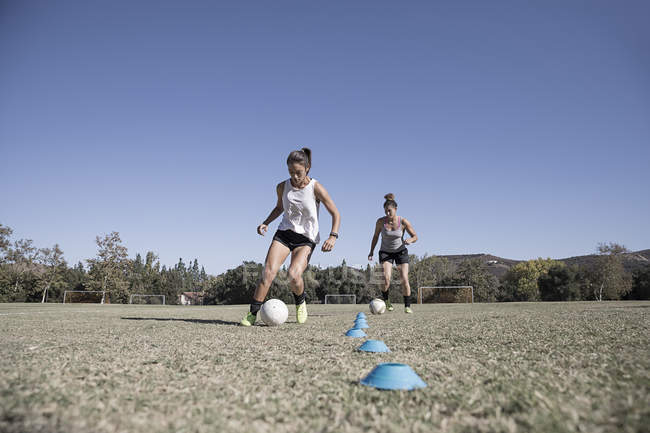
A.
x: 269, y: 275
x: 295, y: 275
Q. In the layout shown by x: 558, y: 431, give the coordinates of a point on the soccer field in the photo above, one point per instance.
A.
x: 489, y: 367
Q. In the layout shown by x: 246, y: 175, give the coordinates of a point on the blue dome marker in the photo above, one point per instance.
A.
x: 360, y: 325
x: 355, y: 333
x: 374, y: 346
x: 393, y: 376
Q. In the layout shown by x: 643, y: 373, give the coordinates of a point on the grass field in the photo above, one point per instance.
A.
x: 489, y: 367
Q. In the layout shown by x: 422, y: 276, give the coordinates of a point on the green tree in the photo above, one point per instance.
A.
x: 109, y: 270
x: 610, y: 280
x: 5, y: 241
x: 475, y: 273
x: 54, y: 268
x: 561, y: 283
x: 22, y: 270
x: 76, y: 278
x: 521, y: 282
x: 640, y: 284
x: 427, y: 271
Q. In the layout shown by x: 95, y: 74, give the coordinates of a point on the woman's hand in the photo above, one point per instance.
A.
x: 370, y: 256
x: 261, y: 229
x: 406, y: 242
x: 329, y: 244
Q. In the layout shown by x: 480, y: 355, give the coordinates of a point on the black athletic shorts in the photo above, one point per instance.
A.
x: 293, y: 240
x: 399, y: 257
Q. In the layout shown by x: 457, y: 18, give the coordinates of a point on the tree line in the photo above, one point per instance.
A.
x: 32, y: 274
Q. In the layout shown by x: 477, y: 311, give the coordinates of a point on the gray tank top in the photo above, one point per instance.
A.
x: 392, y: 240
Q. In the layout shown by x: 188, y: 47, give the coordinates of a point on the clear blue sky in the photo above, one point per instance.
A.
x: 520, y: 129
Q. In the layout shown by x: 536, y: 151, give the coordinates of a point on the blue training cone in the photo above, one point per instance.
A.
x: 374, y: 346
x: 355, y: 333
x: 393, y: 376
x: 360, y: 325
x: 361, y: 315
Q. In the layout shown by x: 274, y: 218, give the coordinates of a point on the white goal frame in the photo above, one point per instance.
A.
x: 146, y: 296
x: 103, y: 292
x: 443, y: 287
x: 354, y: 297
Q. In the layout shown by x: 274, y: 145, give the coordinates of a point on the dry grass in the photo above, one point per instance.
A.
x: 491, y: 367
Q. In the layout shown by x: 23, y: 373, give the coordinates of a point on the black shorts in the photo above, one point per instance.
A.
x: 399, y: 257
x: 293, y: 240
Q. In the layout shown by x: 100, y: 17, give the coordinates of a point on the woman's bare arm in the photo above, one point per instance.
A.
x: 411, y: 231
x: 375, y: 238
x: 276, y: 212
x: 323, y: 196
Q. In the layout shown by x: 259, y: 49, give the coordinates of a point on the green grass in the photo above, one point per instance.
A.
x: 490, y: 367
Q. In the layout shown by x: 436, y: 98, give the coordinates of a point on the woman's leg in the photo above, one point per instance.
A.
x: 388, y: 272
x: 299, y: 262
x: 274, y: 258
x: 404, y: 277
x: 277, y: 254
x: 406, y: 287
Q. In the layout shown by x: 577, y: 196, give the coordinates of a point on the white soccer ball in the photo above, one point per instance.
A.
x: 274, y: 312
x: 377, y: 306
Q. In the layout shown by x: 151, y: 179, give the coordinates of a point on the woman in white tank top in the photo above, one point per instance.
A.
x: 298, y: 201
x: 393, y: 249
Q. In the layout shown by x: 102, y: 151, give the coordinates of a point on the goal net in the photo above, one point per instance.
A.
x: 445, y: 294
x: 85, y: 297
x: 340, y: 299
x: 147, y: 299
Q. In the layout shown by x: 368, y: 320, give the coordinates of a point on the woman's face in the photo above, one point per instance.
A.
x: 298, y: 173
x: 390, y: 211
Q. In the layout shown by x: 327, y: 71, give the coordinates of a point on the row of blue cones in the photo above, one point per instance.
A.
x: 387, y: 375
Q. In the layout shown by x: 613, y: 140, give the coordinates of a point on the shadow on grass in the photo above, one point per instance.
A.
x: 171, y: 319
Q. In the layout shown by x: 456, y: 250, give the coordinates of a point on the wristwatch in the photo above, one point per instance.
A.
x: 336, y: 235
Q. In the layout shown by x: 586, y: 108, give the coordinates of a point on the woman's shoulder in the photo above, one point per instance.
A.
x: 280, y: 186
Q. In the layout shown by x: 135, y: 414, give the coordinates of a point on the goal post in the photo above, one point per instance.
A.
x: 446, y: 294
x: 147, y: 299
x: 85, y: 296
x: 341, y: 299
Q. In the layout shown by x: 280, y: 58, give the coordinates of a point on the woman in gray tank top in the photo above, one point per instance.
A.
x: 393, y: 249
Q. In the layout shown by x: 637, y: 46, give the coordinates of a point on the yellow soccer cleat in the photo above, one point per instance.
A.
x: 248, y: 320
x: 408, y: 310
x: 301, y: 312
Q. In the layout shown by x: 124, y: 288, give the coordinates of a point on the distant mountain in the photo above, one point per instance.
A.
x: 631, y: 261
x: 498, y: 266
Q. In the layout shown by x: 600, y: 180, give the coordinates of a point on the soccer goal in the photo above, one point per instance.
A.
x: 85, y: 296
x: 446, y: 294
x: 147, y: 299
x: 340, y: 299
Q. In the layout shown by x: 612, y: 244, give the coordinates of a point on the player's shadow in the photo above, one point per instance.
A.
x: 199, y: 321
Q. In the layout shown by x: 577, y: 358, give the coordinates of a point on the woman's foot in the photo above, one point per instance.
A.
x: 301, y: 312
x: 248, y: 320
x: 408, y: 310
x: 389, y: 306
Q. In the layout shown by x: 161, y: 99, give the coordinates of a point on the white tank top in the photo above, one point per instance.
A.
x: 300, y: 210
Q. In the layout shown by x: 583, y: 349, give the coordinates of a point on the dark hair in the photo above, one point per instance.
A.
x: 390, y: 200
x: 302, y: 156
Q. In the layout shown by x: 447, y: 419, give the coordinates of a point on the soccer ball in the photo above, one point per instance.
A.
x: 274, y: 312
x: 377, y: 306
